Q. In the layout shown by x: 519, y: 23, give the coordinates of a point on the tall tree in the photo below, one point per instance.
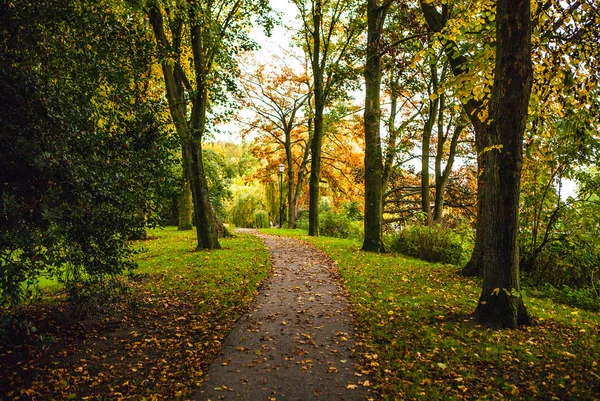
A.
x: 501, y: 304
x: 277, y: 98
x: 376, y: 14
x: 330, y: 28
x: 213, y: 30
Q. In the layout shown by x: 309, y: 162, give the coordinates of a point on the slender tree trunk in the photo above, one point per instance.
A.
x: 373, y: 240
x: 441, y: 176
x: 501, y: 303
x: 315, y: 164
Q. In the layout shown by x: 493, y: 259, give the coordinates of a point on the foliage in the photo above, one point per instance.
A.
x: 433, y: 244
x: 219, y: 175
x: 244, y: 207
x: 86, y: 153
x: 158, y: 340
x: 584, y: 298
x: 334, y: 223
x: 261, y: 219
x: 421, y: 342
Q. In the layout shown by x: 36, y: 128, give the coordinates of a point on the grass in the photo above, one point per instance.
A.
x: 422, y: 343
x: 155, y: 343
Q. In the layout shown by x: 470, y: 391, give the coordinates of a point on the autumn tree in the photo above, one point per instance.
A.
x: 329, y: 31
x: 277, y: 99
x: 209, y: 34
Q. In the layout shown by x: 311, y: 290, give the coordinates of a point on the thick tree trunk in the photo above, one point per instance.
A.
x: 315, y: 164
x: 501, y: 303
x: 373, y: 240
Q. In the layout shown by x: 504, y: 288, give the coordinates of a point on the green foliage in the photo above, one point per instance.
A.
x: 219, y: 174
x: 584, y: 298
x: 244, y: 207
x: 261, y: 219
x: 337, y: 224
x: 434, y: 244
x: 84, y: 157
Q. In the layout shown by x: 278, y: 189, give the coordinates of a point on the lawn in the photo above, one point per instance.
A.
x: 155, y: 342
x: 422, y: 343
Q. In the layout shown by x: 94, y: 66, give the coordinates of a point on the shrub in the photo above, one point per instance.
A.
x: 261, y: 219
x: 433, y: 244
x: 333, y: 224
x: 584, y: 298
x: 338, y: 225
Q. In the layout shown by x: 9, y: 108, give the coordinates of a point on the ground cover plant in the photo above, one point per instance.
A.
x: 422, y: 343
x: 154, y: 343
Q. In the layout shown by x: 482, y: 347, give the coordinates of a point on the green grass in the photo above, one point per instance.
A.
x: 228, y: 276
x: 422, y: 343
x: 155, y: 341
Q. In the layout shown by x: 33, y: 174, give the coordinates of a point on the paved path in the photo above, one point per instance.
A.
x: 296, y: 342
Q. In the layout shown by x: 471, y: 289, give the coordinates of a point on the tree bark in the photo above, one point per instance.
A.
x: 501, y: 303
x: 373, y: 240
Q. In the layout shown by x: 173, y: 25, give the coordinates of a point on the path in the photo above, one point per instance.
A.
x: 296, y: 342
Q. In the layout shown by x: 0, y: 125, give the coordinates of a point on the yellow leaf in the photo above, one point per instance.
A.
x: 496, y: 291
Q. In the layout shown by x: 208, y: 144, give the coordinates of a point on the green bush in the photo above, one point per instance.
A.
x: 433, y: 244
x: 261, y: 219
x: 333, y: 224
x: 584, y: 298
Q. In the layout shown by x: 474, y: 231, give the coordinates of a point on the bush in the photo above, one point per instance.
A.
x: 333, y: 224
x: 584, y: 298
x: 433, y: 244
x: 261, y: 219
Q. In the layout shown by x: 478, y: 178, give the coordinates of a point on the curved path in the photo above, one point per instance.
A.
x: 297, y: 341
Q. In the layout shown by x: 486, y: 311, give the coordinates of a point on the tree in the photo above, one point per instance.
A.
x: 501, y: 303
x: 277, y: 98
x: 329, y: 29
x: 373, y: 240
x: 499, y: 128
x: 85, y: 153
x: 214, y: 31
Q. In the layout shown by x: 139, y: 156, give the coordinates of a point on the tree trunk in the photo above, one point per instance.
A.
x: 373, y: 240
x: 207, y: 237
x: 185, y: 207
x: 427, y: 130
x: 441, y: 176
x: 501, y: 303
x: 315, y: 150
